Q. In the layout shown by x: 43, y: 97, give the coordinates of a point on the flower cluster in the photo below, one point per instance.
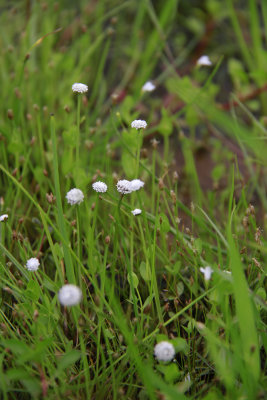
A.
x: 3, y: 217
x: 32, y: 264
x: 126, y: 187
x: 137, y: 211
x: 139, y: 124
x: 148, y: 87
x: 74, y: 196
x: 207, y: 272
x: 204, y: 61
x: 79, y: 88
x: 164, y: 351
x: 100, y: 187
x: 69, y: 295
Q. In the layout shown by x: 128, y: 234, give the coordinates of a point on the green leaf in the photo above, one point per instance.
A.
x: 33, y: 290
x: 145, y: 271
x: 68, y: 359
x: 134, y: 278
x: 171, y: 372
x: 163, y: 223
x: 180, y: 345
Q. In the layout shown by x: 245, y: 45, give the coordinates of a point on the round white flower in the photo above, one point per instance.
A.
x: 74, y: 196
x: 124, y: 186
x: 164, y: 351
x: 136, y: 184
x: 69, y: 295
x: 148, y: 87
x: 3, y: 217
x: 32, y: 264
x: 137, y: 211
x: 139, y: 124
x: 204, y: 61
x: 207, y: 271
x: 100, y: 187
x: 79, y: 88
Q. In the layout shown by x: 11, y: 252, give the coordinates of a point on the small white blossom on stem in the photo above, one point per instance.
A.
x: 100, y: 187
x: 139, y: 124
x: 32, y: 264
x: 136, y: 184
x: 207, y: 272
x: 164, y: 351
x: 69, y: 295
x: 3, y: 217
x: 124, y: 186
x: 74, y: 196
x: 79, y: 88
x: 148, y: 87
x: 137, y: 211
x: 204, y: 61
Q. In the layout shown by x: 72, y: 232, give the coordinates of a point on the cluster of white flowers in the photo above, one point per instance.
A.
x: 137, y: 211
x: 100, y: 187
x: 126, y: 187
x: 207, y: 272
x: 3, y: 217
x: 32, y: 264
x: 148, y: 87
x: 69, y: 295
x: 164, y: 351
x: 204, y: 61
x: 139, y: 124
x: 79, y: 88
x: 75, y: 196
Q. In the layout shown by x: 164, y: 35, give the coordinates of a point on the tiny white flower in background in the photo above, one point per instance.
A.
x: 148, y: 87
x: 74, y: 196
x: 136, y: 184
x: 69, y: 295
x: 124, y: 186
x: 139, y: 124
x: 137, y: 211
x: 79, y: 88
x: 164, y: 351
x: 204, y: 61
x: 32, y: 264
x: 100, y: 187
x: 207, y: 271
x: 3, y: 217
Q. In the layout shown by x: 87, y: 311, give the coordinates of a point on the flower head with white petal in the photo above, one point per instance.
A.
x: 100, y: 187
x: 3, y: 217
x: 204, y: 61
x: 32, y: 264
x: 136, y: 184
x: 137, y: 211
x: 124, y: 186
x: 148, y: 87
x: 207, y: 272
x: 164, y: 351
x: 79, y: 88
x: 69, y: 295
x: 139, y: 124
x: 74, y: 196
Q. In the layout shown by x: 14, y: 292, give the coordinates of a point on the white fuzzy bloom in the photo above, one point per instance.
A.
x: 74, y: 196
x: 32, y: 264
x: 136, y: 184
x: 3, y: 217
x: 204, y: 61
x: 207, y: 271
x: 124, y: 186
x: 79, y: 88
x: 100, y: 187
x: 137, y: 211
x: 148, y: 87
x: 164, y: 351
x: 139, y: 124
x: 69, y: 295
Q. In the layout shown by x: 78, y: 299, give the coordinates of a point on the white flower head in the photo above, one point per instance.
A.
x: 75, y: 196
x: 139, y: 124
x: 79, y: 88
x: 3, y: 217
x: 164, y: 351
x: 69, y: 295
x: 204, y: 61
x: 137, y: 211
x: 32, y: 264
x: 207, y: 272
x: 148, y: 87
x: 100, y: 187
x: 136, y: 184
x: 124, y: 186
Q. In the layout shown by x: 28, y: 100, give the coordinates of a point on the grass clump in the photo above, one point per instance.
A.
x: 133, y: 211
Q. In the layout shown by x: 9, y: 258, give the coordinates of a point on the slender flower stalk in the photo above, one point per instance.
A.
x: 138, y: 124
x: 79, y: 88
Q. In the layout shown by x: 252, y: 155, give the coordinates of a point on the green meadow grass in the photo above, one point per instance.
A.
x: 140, y: 275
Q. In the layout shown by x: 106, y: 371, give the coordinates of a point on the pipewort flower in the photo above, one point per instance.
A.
x: 79, y: 88
x: 100, y: 187
x: 207, y: 272
x: 148, y: 87
x: 137, y: 211
x: 124, y: 186
x: 32, y: 264
x: 69, y: 295
x: 3, y: 217
x: 139, y: 124
x: 204, y: 61
x: 164, y: 351
x: 74, y: 196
